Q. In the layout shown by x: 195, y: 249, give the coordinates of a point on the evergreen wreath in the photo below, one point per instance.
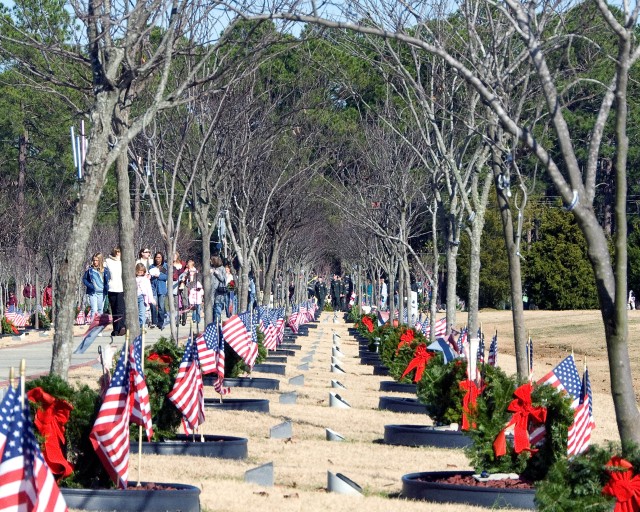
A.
x: 491, y: 414
x: 88, y: 470
x: 439, y: 389
x: 579, y: 483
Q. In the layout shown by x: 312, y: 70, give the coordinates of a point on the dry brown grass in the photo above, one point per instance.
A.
x: 301, y: 463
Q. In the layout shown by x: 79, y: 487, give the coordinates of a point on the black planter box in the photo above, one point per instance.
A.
x: 394, y: 404
x: 398, y: 387
x: 415, y: 488
x: 180, y: 498
x: 221, y: 447
x: 423, y: 435
x: 238, y: 404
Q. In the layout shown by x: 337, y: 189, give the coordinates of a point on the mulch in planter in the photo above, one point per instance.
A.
x: 458, y: 479
x: 149, y: 496
x: 461, y: 487
x: 221, y: 447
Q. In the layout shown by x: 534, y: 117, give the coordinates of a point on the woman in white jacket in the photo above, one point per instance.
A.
x: 116, y: 292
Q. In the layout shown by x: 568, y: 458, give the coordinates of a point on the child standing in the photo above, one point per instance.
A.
x: 195, y: 291
x: 144, y: 292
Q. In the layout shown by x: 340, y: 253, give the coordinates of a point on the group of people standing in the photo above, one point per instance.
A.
x: 341, y: 289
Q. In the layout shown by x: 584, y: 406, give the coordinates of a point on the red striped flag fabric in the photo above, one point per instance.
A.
x: 440, y: 327
x: 236, y: 335
x: 17, y: 319
x: 188, y: 390
x: 141, y: 408
x: 268, y: 329
x: 579, y: 436
x: 210, y: 345
x: 110, y: 433
x: 26, y: 482
x: 492, y: 359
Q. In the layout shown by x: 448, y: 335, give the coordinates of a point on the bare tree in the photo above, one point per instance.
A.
x: 536, y: 25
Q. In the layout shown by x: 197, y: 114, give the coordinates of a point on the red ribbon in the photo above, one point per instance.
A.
x: 406, y: 339
x: 368, y: 323
x: 419, y: 362
x: 469, y: 400
x: 523, y: 412
x: 164, y: 359
x: 622, y: 485
x: 51, y: 417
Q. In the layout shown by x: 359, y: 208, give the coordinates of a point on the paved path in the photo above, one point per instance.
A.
x: 36, y: 349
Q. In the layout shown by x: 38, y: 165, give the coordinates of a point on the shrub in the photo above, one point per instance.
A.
x: 88, y: 470
x: 439, y: 389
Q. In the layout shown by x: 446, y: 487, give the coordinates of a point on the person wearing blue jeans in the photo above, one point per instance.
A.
x: 158, y: 272
x: 218, y: 288
x: 96, y: 280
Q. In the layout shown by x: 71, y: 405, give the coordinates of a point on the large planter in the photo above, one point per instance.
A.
x: 289, y: 346
x: 284, y: 352
x: 173, y: 498
x: 394, y: 404
x: 238, y: 404
x: 423, y: 435
x: 250, y: 382
x: 380, y: 369
x: 397, y: 387
x: 421, y: 486
x: 244, y: 382
x: 275, y: 359
x: 221, y: 447
x: 278, y: 369
x: 372, y: 360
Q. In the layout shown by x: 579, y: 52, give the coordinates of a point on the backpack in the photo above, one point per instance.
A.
x: 221, y: 289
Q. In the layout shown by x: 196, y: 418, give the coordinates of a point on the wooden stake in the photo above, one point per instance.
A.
x: 142, y: 336
x: 23, y: 370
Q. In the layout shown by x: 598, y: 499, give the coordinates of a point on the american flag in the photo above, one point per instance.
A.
x: 188, y: 391
x: 141, y: 411
x: 580, y: 431
x: 268, y: 329
x: 16, y: 318
x: 236, y: 335
x: 462, y: 339
x: 492, y: 359
x: 481, y: 349
x: 294, y: 319
x: 26, y: 483
x: 210, y: 346
x: 278, y: 316
x: 252, y: 330
x: 529, y: 349
x: 425, y: 327
x: 440, y: 327
x: 564, y: 377
x: 110, y: 433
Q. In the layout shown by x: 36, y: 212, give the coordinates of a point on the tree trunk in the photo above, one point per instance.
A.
x: 207, y: 304
x: 75, y: 249
x: 270, y: 271
x: 21, y: 249
x: 127, y: 248
x: 515, y: 273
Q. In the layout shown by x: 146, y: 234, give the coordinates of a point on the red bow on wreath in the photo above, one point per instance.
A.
x: 622, y: 485
x: 523, y: 412
x: 469, y: 400
x: 405, y: 339
x: 164, y: 359
x: 51, y: 417
x: 419, y: 362
x: 368, y: 323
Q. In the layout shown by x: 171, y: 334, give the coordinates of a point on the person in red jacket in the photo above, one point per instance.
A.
x: 47, y: 296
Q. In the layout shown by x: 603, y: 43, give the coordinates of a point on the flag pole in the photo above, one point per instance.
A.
x: 219, y: 336
x: 23, y: 367
x: 12, y: 377
x: 142, y: 336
